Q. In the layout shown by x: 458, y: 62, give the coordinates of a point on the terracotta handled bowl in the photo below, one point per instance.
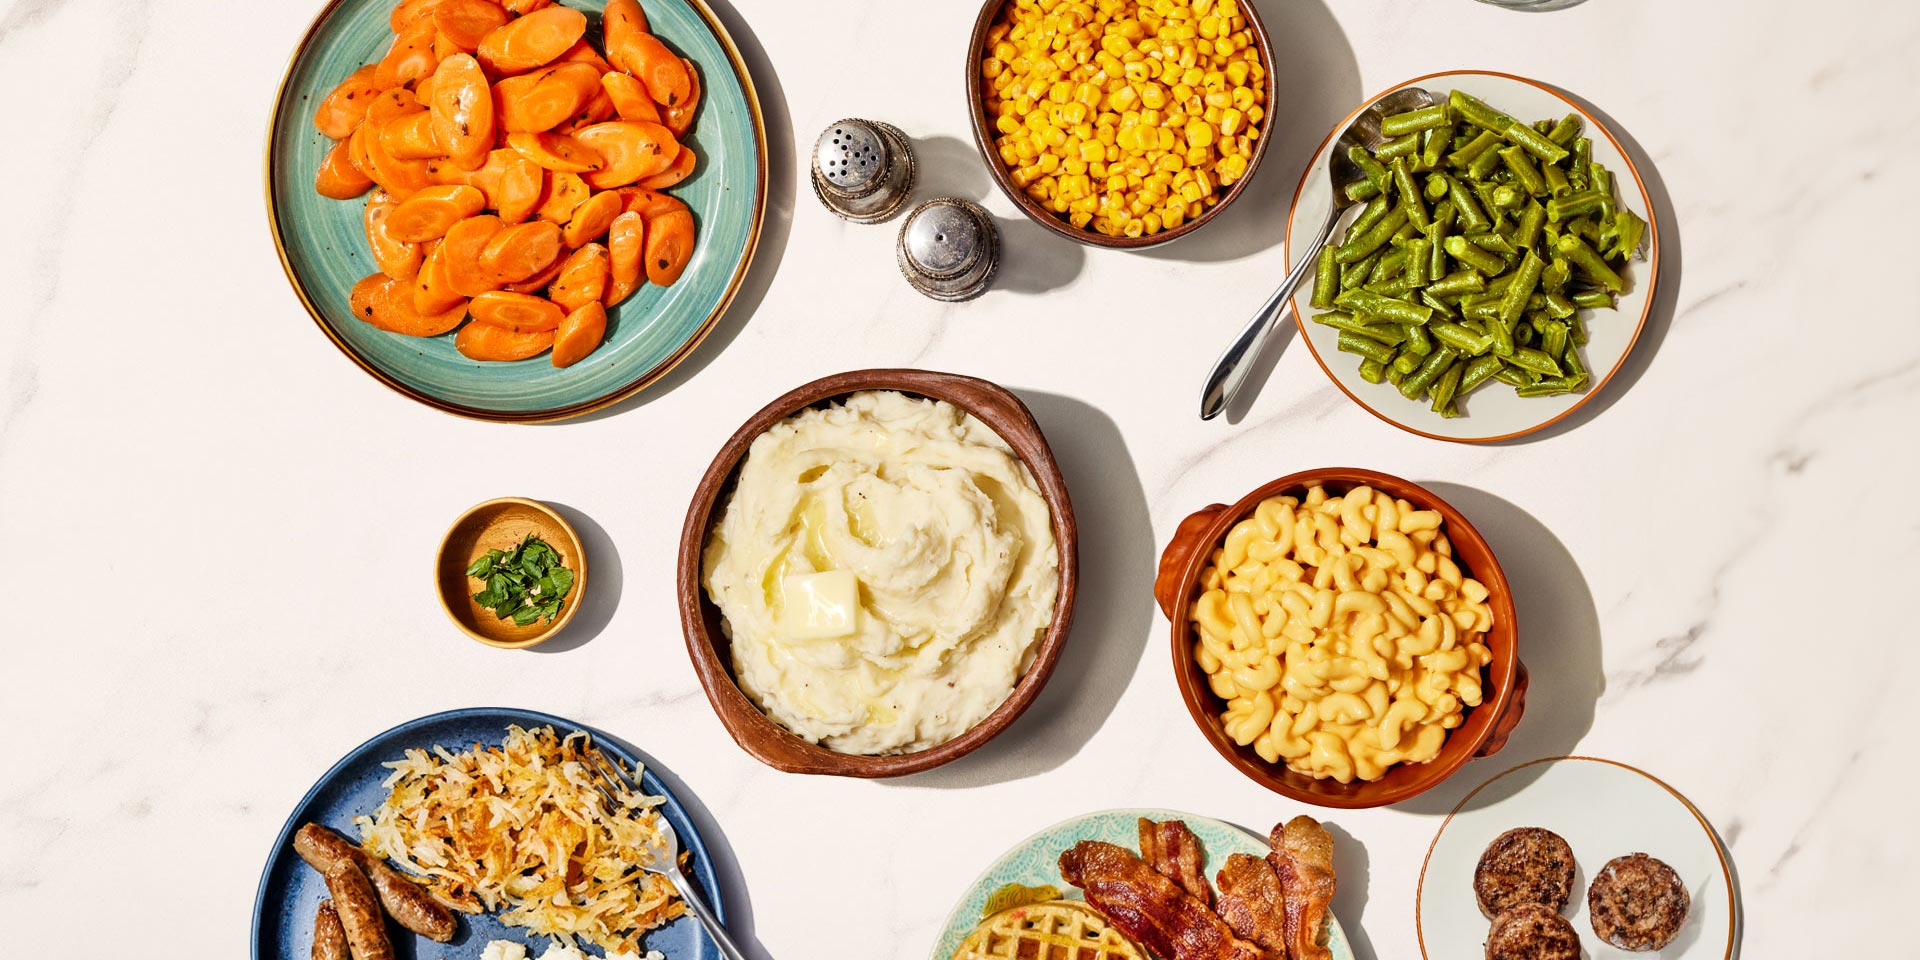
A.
x: 1487, y: 726
x: 711, y: 650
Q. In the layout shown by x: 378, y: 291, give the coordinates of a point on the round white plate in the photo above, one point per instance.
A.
x: 1604, y: 810
x: 1492, y: 412
x: 1035, y: 861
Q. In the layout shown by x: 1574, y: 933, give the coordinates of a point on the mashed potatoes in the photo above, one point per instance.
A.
x: 886, y: 568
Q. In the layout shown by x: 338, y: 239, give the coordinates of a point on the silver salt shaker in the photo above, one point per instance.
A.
x: 949, y: 249
x: 863, y: 170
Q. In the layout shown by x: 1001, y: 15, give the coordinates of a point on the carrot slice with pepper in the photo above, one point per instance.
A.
x: 583, y: 52
x: 565, y: 193
x: 583, y: 277
x: 408, y: 12
x: 462, y: 249
x: 467, y: 22
x: 650, y: 203
x: 520, y: 190
x: 630, y: 150
x: 338, y: 178
x: 411, y: 56
x: 343, y: 108
x: 623, y: 19
x: 462, y: 110
x: 630, y: 97
x: 591, y: 219
x: 433, y: 290
x: 669, y: 246
x: 389, y: 104
x: 519, y: 312
x: 520, y: 251
x: 410, y: 137
x: 360, y: 298
x: 402, y: 178
x: 396, y: 258
x: 557, y: 151
x: 484, y: 341
x: 683, y: 164
x: 430, y: 213
x: 538, y: 281
x: 542, y: 100
x: 532, y: 40
x: 598, y: 109
x: 659, y: 68
x: 580, y: 333
x: 679, y: 117
x: 393, y: 311
x: 626, y: 240
x: 525, y: 6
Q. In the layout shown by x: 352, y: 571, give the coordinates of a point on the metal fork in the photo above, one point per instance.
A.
x: 665, y: 859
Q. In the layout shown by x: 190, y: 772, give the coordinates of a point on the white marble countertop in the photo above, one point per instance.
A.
x: 219, y: 530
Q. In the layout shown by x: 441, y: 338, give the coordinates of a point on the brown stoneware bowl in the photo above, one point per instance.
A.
x: 1486, y: 727
x: 984, y: 135
x: 711, y: 650
x: 497, y: 525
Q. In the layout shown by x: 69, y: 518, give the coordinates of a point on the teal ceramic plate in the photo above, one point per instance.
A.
x: 324, y: 250
x: 1036, y: 861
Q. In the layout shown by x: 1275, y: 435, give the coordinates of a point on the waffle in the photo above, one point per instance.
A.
x: 1054, y: 930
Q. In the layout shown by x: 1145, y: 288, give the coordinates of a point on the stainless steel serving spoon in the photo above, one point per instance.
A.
x: 1230, y: 371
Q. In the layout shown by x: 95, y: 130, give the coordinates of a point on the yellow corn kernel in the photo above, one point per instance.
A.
x: 1021, y: 177
x: 1242, y: 98
x: 1173, y: 216
x: 1094, y: 151
x: 1005, y: 52
x: 1237, y: 73
x: 1080, y: 218
x: 1153, y: 95
x: 1049, y: 162
x: 1006, y: 123
x: 1135, y: 227
x: 1199, y: 134
x: 1199, y: 156
x: 1151, y: 222
x: 1233, y: 168
x: 1255, y: 113
x: 1075, y: 164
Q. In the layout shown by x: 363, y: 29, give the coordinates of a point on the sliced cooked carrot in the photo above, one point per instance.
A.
x: 623, y: 21
x: 338, y: 177
x: 520, y: 190
x: 582, y: 279
x: 649, y: 203
x: 462, y: 249
x: 467, y: 22
x: 408, y: 12
x: 532, y: 40
x: 402, y: 178
x: 484, y: 341
x: 669, y: 246
x: 462, y: 110
x: 442, y: 49
x: 430, y: 213
x: 659, y: 68
x: 559, y: 152
x: 591, y: 219
x: 423, y: 87
x: 679, y: 117
x: 599, y: 109
x: 396, y: 258
x: 583, y: 52
x: 411, y: 137
x: 538, y: 282
x: 683, y: 164
x: 520, y: 251
x: 519, y: 312
x: 357, y: 150
x: 411, y: 56
x: 630, y: 150
x: 630, y: 97
x: 485, y: 179
x: 525, y: 6
x: 360, y: 298
x: 393, y: 311
x: 433, y: 290
x: 580, y: 332
x: 565, y: 193
x: 341, y: 110
x: 540, y: 101
x: 625, y: 242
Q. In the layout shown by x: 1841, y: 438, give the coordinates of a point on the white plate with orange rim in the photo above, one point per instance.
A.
x: 1604, y: 809
x: 1492, y: 412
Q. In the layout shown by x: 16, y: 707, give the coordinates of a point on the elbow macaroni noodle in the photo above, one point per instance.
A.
x: 1341, y: 634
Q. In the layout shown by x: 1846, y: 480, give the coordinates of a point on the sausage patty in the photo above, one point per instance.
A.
x: 1637, y: 903
x: 1524, y: 865
x: 1531, y: 931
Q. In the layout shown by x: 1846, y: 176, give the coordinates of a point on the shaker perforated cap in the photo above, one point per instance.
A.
x: 863, y: 170
x: 949, y: 249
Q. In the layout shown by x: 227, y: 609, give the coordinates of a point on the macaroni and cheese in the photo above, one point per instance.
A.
x: 1341, y: 633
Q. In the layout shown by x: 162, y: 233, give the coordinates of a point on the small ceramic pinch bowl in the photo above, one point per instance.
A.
x: 500, y: 524
x: 711, y: 649
x: 1486, y: 727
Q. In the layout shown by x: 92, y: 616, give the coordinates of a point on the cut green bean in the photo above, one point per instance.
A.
x: 1373, y: 170
x: 1418, y: 343
x: 1460, y: 338
x: 1434, y: 148
x: 1479, y: 371
x: 1553, y: 338
x: 1529, y: 358
x: 1576, y: 250
x: 1353, y: 275
x: 1526, y: 231
x: 1525, y: 279
x: 1593, y: 300
x: 1467, y: 209
x: 1461, y: 158
x: 1536, y: 144
x: 1373, y: 371
x: 1457, y: 283
x: 1402, y: 147
x: 1515, y: 376
x: 1574, y: 205
x: 1430, y: 370
x: 1556, y: 180
x: 1375, y: 237
x: 1483, y: 165
x: 1375, y: 210
x: 1564, y: 131
x: 1354, y: 343
x: 1468, y: 253
x: 1411, y: 199
x: 1377, y: 307
x: 1414, y: 121
x: 1419, y: 260
x: 1493, y: 243
x: 1445, y: 388
x: 1476, y: 112
x: 1386, y: 333
x: 1524, y: 170
x: 1326, y: 280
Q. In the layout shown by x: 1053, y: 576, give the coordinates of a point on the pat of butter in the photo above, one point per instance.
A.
x: 820, y: 605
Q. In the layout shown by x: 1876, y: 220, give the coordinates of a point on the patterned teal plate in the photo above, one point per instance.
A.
x: 324, y: 250
x: 1036, y: 861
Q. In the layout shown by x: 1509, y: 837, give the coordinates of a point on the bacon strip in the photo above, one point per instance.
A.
x: 1252, y: 903
x: 1172, y: 849
x: 1302, y: 858
x: 1150, y: 908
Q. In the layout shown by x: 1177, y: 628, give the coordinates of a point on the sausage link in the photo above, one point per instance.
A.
x: 359, y: 909
x: 329, y: 937
x: 410, y: 903
x: 322, y: 849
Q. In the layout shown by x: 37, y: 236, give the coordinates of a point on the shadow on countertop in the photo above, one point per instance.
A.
x: 1111, y: 620
x: 605, y: 582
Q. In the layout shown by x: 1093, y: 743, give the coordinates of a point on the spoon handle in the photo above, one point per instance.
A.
x: 694, y: 902
x: 1229, y: 372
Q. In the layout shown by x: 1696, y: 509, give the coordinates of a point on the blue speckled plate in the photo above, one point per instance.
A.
x: 1036, y: 861
x: 324, y: 249
x: 290, y: 890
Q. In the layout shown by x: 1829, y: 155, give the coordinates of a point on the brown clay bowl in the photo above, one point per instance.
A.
x: 497, y: 525
x: 711, y: 649
x: 983, y: 137
x: 1486, y: 727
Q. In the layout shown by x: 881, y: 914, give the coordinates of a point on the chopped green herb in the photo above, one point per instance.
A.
x: 523, y: 584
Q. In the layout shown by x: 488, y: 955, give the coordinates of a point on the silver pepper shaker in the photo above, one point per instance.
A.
x: 863, y: 170
x: 949, y: 249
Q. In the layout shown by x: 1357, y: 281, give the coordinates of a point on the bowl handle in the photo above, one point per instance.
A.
x: 1173, y: 560
x: 1503, y: 726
